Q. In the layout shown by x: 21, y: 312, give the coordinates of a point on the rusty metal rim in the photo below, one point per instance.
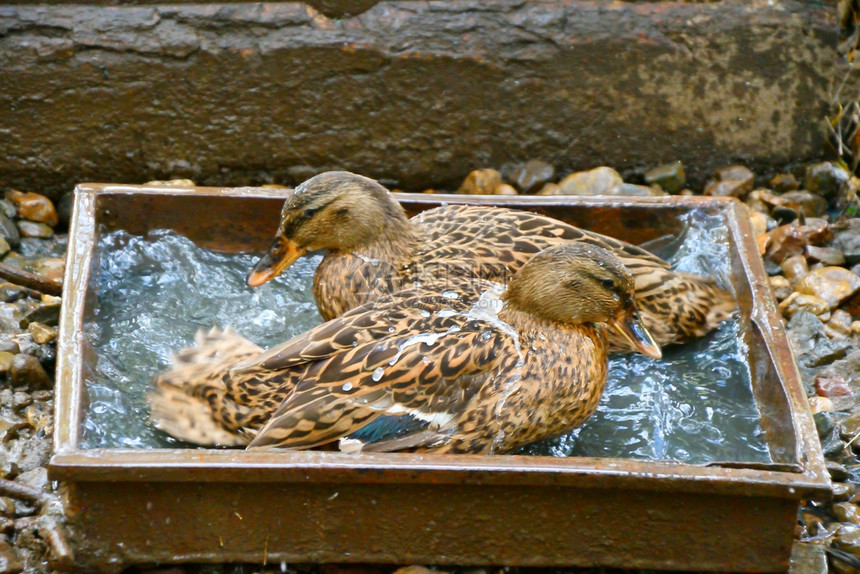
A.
x: 207, y: 465
x: 498, y: 200
x: 71, y: 463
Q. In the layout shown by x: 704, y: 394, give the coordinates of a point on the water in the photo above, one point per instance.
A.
x: 154, y: 293
x: 694, y: 406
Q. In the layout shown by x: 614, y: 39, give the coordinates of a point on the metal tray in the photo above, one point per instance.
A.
x: 173, y: 505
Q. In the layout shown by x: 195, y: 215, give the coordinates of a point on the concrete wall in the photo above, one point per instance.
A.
x: 416, y: 93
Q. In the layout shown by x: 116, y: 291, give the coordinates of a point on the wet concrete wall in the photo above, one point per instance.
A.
x: 417, y: 93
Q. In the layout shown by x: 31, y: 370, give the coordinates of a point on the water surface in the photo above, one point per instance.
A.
x: 155, y: 292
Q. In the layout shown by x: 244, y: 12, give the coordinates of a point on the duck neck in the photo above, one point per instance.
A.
x: 397, y: 242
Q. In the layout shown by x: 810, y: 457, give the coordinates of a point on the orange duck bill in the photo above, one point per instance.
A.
x: 280, y: 255
x: 631, y: 327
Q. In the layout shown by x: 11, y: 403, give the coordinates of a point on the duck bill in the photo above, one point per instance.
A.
x: 631, y: 327
x: 281, y: 255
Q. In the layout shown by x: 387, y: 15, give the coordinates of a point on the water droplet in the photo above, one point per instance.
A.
x: 450, y: 295
x: 347, y: 386
x: 425, y: 313
x: 378, y: 372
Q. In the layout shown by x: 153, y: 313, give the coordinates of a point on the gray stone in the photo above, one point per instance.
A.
x: 733, y: 181
x: 784, y: 182
x: 9, y: 345
x: 807, y: 559
x: 669, y: 176
x: 9, y: 292
x: 595, y: 181
x: 827, y: 351
x: 837, y: 471
x: 846, y: 237
x: 26, y: 371
x: 46, y: 314
x: 832, y: 447
x: 823, y: 424
x: 631, y: 189
x: 843, y: 491
x: 825, y: 179
x: 532, y: 176
x: 804, y: 330
x: 33, y: 229
x: 9, y: 231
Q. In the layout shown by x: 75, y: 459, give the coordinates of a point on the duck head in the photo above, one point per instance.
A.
x: 580, y: 283
x: 335, y: 210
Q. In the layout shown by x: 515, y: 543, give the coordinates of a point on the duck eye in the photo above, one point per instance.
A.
x: 309, y: 212
x: 608, y: 283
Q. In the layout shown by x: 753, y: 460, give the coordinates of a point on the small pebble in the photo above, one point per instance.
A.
x: 837, y: 472
x: 550, y: 189
x: 670, y: 177
x: 831, y: 284
x: 532, y: 176
x: 784, y: 182
x: 820, y: 404
x: 846, y: 512
x: 505, y: 189
x: 33, y: 229
x: 10, y: 292
x: 9, y: 231
x: 784, y: 215
x: 481, y: 182
x: 9, y: 345
x: 596, y: 181
x: 803, y: 302
x: 754, y: 201
x: 843, y: 490
x: 734, y: 181
x: 780, y: 287
x: 831, y: 387
x: 633, y: 190
x: 5, y: 361
x: 759, y: 222
x: 27, y: 371
x: 825, y: 179
x: 794, y: 268
x: 840, y: 321
x: 803, y: 202
x: 33, y: 206
x: 825, y: 255
x: 174, y: 183
x: 42, y: 333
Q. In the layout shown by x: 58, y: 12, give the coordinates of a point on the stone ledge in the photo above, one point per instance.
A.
x: 417, y: 93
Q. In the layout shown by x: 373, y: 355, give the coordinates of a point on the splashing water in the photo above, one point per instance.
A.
x: 154, y: 292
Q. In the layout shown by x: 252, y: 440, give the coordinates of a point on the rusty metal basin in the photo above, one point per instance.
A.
x: 198, y: 505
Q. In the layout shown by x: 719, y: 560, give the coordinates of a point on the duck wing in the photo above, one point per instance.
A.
x: 521, y: 232
x: 404, y: 312
x: 420, y: 382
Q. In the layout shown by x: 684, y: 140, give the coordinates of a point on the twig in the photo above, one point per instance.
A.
x: 30, y: 280
x: 21, y: 491
x: 49, y: 530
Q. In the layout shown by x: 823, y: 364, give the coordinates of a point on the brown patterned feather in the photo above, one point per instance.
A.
x: 418, y: 369
x: 472, y: 242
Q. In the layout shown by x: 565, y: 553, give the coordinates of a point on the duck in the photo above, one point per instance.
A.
x: 373, y: 249
x: 420, y: 370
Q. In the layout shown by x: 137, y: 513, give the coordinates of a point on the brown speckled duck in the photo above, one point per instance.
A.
x: 419, y: 370
x: 374, y: 249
